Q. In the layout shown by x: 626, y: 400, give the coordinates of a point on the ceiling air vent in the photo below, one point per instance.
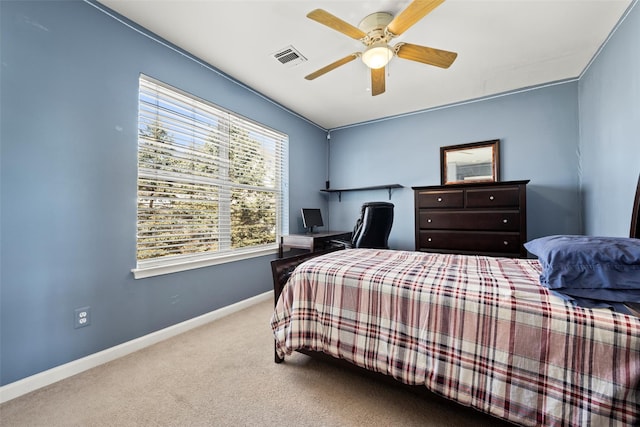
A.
x: 289, y: 56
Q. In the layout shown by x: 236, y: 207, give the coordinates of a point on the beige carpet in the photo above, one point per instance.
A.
x: 222, y: 374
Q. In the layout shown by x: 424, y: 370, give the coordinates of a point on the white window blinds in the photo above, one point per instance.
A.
x: 211, y: 185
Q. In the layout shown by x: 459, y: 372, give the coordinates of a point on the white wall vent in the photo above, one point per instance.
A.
x: 289, y: 56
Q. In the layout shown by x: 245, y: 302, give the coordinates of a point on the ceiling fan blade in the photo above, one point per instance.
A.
x: 426, y: 55
x: 332, y: 66
x: 377, y: 81
x: 332, y: 21
x: 412, y: 14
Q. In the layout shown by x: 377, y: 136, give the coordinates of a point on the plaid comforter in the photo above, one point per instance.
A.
x: 478, y: 330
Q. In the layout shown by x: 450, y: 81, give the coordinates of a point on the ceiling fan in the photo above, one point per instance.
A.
x: 375, y: 32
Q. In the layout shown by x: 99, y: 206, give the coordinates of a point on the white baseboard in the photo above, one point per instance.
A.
x: 50, y: 376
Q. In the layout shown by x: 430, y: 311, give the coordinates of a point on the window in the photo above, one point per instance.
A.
x: 212, y: 185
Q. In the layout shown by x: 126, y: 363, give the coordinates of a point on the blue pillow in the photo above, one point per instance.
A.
x: 587, y: 262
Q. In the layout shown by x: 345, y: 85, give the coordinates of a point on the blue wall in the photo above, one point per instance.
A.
x: 538, y: 132
x: 69, y: 140
x: 610, y: 131
x: 68, y: 172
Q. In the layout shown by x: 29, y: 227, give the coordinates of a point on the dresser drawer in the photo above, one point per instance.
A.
x: 440, y: 199
x: 508, y: 220
x: 492, y: 197
x: 498, y: 242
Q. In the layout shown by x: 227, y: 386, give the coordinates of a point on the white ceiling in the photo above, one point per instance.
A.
x: 502, y: 45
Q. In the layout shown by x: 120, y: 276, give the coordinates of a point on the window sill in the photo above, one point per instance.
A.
x: 155, y: 268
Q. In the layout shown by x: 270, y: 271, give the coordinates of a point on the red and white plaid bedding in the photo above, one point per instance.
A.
x: 478, y: 330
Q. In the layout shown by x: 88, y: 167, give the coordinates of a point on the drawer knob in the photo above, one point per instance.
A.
x: 439, y: 199
x: 429, y: 239
x: 505, y: 220
x: 506, y: 243
x: 429, y: 220
x: 490, y: 197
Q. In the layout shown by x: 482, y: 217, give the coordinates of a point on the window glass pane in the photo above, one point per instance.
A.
x: 209, y: 182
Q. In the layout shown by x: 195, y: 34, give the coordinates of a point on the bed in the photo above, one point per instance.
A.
x: 481, y: 331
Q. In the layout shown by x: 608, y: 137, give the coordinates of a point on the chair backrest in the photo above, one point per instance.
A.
x: 374, y: 226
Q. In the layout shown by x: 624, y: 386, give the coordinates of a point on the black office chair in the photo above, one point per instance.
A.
x: 374, y: 226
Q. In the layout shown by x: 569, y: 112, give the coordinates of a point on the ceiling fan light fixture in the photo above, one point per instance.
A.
x: 377, y: 55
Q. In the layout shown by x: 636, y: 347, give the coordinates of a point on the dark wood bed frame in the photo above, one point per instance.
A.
x: 635, y: 215
x: 283, y: 267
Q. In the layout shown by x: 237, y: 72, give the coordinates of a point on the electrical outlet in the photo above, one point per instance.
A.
x: 82, y: 317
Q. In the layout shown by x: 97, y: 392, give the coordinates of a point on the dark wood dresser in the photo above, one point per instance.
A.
x: 488, y: 218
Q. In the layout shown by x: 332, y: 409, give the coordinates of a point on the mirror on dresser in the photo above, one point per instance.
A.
x: 473, y: 162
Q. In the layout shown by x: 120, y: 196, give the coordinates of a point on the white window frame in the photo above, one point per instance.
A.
x: 188, y: 123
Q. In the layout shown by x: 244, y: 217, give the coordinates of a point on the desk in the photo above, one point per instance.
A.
x: 311, y: 242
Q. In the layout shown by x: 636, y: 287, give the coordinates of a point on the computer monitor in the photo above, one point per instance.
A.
x: 311, y: 217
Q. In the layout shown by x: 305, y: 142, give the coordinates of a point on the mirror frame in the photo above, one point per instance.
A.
x: 494, y: 159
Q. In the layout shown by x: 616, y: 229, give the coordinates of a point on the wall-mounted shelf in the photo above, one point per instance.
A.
x: 387, y: 187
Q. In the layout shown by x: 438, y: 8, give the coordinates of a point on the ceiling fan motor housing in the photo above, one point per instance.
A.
x: 374, y: 25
